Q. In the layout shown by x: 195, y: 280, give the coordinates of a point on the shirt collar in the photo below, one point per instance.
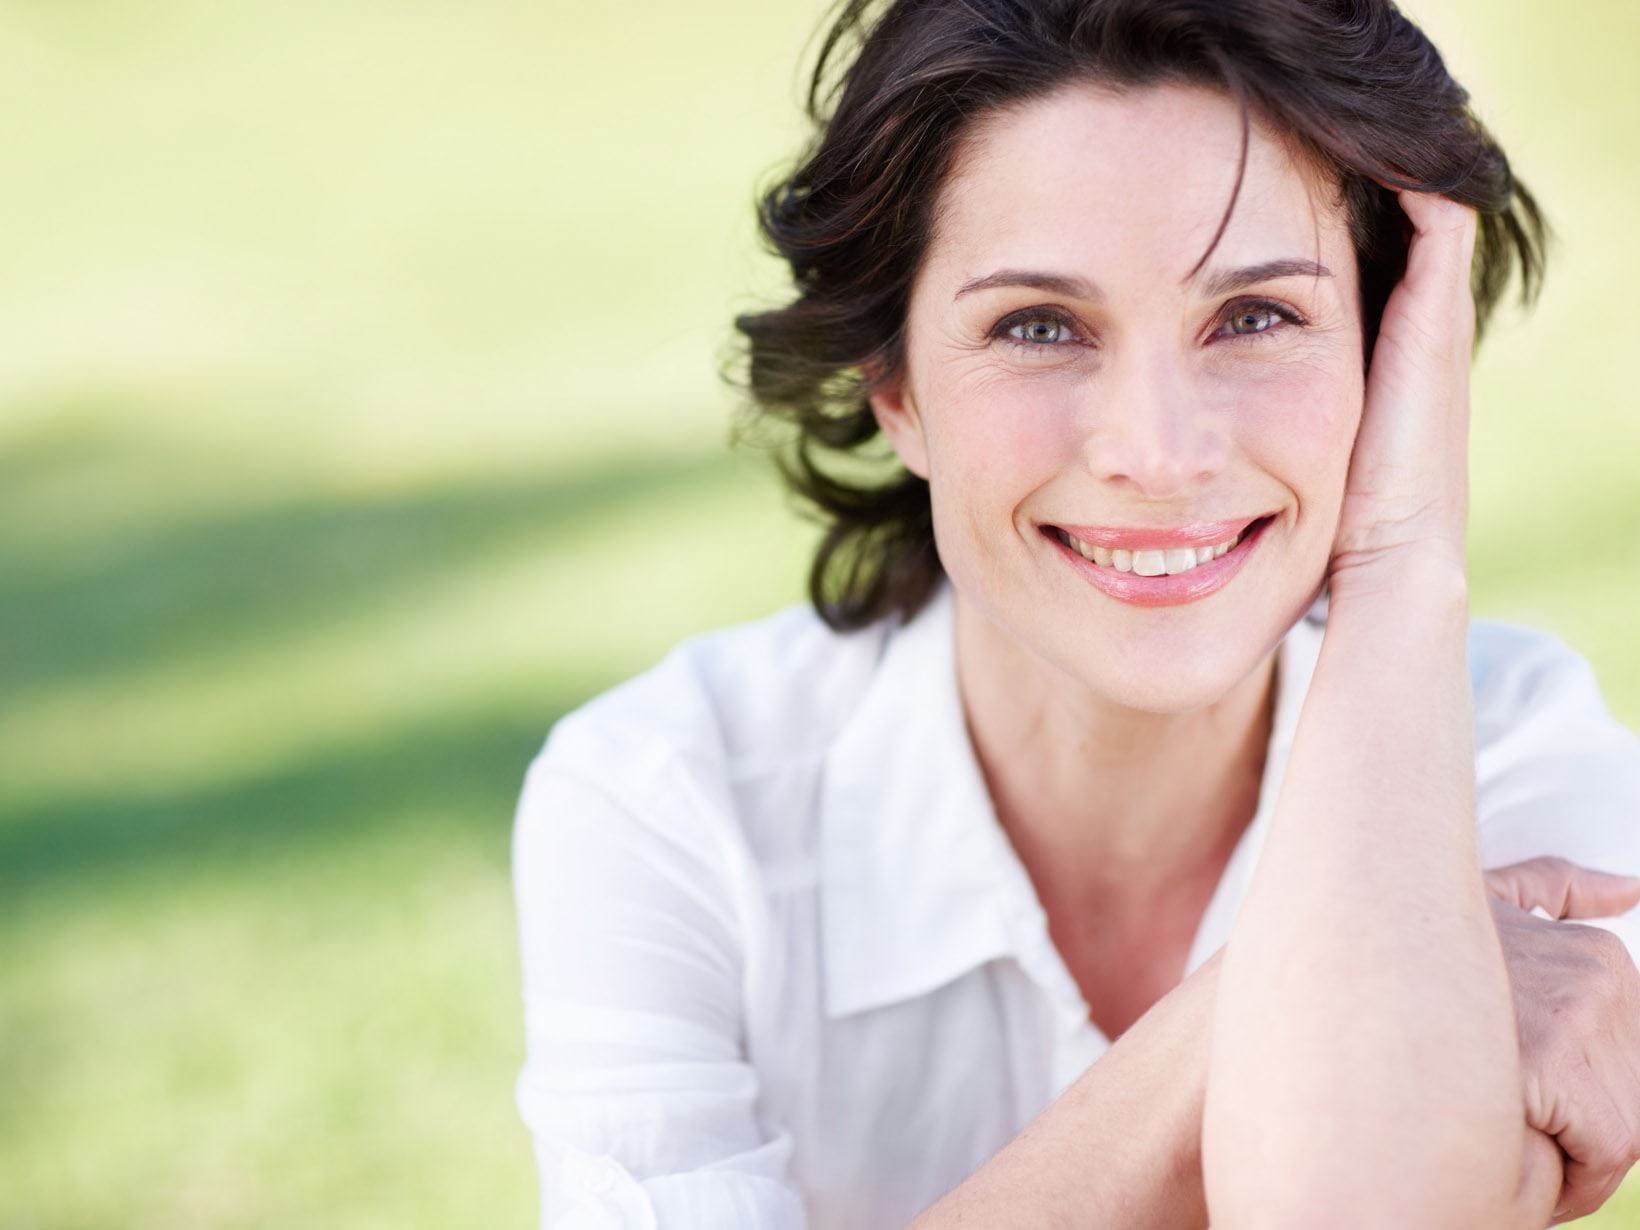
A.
x: 919, y: 881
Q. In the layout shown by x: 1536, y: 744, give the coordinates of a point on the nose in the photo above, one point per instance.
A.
x: 1150, y: 430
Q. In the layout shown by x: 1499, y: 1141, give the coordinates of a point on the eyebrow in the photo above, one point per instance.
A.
x: 1220, y: 283
x: 1059, y: 284
x: 1224, y: 282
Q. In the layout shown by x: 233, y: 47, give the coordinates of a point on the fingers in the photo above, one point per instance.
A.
x: 1433, y: 214
x: 1407, y: 492
x: 1599, y: 1153
x: 1577, y: 997
x: 1543, y: 1172
x: 1585, y: 1192
x: 1600, y: 894
x: 1563, y: 889
x: 1439, y: 260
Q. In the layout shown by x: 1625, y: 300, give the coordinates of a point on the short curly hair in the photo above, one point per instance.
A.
x: 1354, y: 82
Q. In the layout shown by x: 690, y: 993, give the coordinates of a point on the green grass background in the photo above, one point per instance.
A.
x: 358, y: 416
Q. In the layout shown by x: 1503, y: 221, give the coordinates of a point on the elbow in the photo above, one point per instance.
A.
x: 1271, y: 1167
x: 1368, y: 1197
x: 1307, y: 1209
x: 1327, y: 1212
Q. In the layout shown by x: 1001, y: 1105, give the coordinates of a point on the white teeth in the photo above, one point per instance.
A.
x: 1149, y: 563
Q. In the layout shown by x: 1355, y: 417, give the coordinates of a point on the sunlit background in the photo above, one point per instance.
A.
x: 359, y: 415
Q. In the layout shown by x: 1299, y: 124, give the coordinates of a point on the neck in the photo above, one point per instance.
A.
x: 1097, y: 796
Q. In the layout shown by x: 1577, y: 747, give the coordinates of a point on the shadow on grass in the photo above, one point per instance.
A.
x: 245, y: 579
x: 241, y: 579
x: 61, y: 446
x: 464, y: 771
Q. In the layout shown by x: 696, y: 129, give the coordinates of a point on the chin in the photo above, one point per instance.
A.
x: 1168, y: 671
x: 1167, y: 661
x: 1169, y: 692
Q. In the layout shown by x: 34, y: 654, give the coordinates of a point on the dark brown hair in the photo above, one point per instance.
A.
x: 895, y: 89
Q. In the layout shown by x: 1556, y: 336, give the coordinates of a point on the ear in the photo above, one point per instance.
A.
x: 895, y: 410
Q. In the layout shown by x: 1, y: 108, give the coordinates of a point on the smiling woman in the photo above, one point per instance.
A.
x: 1145, y: 420
x: 856, y: 218
x: 1104, y: 842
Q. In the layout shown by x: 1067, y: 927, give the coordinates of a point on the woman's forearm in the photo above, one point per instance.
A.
x: 1120, y: 1148
x: 1364, y: 1058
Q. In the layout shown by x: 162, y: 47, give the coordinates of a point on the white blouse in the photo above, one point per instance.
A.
x: 783, y: 968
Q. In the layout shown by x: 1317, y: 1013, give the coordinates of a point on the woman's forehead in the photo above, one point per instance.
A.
x: 1097, y: 176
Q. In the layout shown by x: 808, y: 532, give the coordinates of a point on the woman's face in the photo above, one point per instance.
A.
x: 1063, y: 370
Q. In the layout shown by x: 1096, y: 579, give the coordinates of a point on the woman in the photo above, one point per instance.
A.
x: 1165, y: 309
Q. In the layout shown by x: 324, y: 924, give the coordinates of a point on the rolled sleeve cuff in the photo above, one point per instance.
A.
x: 596, y: 1192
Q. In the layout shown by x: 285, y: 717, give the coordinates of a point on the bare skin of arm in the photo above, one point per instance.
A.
x: 1364, y: 1053
x: 1362, y: 1058
x: 1121, y: 1146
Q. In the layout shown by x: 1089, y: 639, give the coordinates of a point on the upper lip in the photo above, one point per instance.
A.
x: 1196, y: 534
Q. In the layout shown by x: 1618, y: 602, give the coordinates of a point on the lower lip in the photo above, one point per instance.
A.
x: 1165, y: 590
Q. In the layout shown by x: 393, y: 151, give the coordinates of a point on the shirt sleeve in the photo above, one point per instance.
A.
x: 642, y: 1106
x: 1557, y: 774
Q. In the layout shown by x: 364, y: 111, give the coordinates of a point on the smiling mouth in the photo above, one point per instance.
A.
x: 1156, y: 561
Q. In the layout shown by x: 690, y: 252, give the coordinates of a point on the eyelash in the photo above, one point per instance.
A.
x: 1279, y: 310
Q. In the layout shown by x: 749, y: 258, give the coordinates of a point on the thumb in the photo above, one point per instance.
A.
x: 1562, y: 889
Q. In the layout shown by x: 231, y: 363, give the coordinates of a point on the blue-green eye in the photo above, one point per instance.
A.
x: 1038, y: 329
x: 1254, y: 317
x: 1041, y: 330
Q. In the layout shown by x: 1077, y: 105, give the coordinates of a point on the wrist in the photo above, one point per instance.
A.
x: 1429, y: 573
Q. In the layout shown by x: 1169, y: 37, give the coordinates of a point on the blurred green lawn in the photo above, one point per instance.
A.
x: 359, y: 416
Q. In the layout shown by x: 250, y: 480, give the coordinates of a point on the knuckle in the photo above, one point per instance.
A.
x: 1588, y: 1197
x: 1610, y: 1152
x: 1613, y: 955
x: 1598, y: 946
x: 1572, y: 1077
x: 1578, y: 1009
x: 1603, y: 1144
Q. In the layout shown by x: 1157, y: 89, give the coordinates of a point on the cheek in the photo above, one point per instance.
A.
x: 999, y: 438
x: 992, y: 444
x: 1299, y: 422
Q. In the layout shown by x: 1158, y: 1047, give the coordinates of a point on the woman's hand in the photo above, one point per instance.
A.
x: 1407, y: 493
x: 1577, y: 1008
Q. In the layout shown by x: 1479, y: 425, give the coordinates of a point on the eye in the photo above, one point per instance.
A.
x: 1254, y: 317
x: 1038, y: 330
